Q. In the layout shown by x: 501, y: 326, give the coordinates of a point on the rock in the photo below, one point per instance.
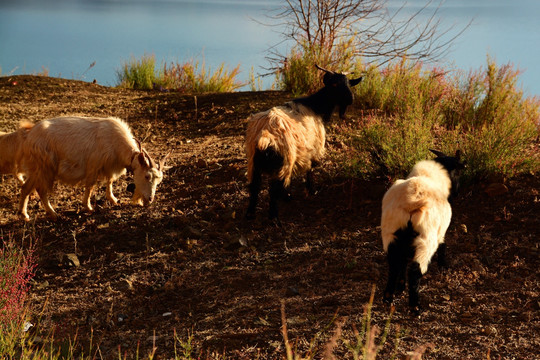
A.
x: 70, y: 260
x: 496, y: 189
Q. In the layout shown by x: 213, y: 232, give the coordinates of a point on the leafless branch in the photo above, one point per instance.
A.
x: 380, y: 36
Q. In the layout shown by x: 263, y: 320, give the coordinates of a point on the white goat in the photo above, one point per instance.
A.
x: 10, y: 151
x: 85, y: 150
x: 415, y: 216
x: 289, y: 139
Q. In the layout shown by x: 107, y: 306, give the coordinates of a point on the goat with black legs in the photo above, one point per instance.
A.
x: 416, y: 213
x: 289, y: 140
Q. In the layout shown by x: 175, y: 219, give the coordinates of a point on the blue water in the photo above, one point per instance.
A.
x: 66, y: 36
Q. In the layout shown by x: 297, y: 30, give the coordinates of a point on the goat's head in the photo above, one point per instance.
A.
x: 453, y: 165
x: 147, y: 175
x: 339, y: 89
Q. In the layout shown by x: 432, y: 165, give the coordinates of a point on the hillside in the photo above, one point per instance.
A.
x: 190, y: 263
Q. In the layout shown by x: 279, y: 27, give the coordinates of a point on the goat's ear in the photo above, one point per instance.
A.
x: 458, y: 155
x: 438, y: 153
x: 143, y: 160
x: 354, y: 82
x: 161, y: 166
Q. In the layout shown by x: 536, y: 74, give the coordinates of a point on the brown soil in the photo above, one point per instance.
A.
x: 190, y: 262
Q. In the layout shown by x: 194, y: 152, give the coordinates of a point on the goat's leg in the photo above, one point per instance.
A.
x: 310, y: 179
x: 43, y: 193
x: 109, y: 192
x: 277, y: 190
x: 310, y: 189
x: 254, y: 188
x: 397, y: 263
x: 415, y: 274
x: 88, y: 196
x: 441, y: 256
x: 26, y: 190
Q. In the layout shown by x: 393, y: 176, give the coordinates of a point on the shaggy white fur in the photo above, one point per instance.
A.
x: 85, y: 150
x: 294, y: 131
x: 422, y: 199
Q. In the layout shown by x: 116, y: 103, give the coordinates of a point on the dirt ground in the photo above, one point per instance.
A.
x: 190, y: 263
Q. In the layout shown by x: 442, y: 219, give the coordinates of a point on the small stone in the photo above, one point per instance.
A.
x: 71, y: 260
x: 165, y: 314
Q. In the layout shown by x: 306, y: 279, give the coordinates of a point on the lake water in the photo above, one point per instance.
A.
x: 66, y: 36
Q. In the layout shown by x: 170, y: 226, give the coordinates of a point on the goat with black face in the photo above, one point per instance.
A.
x: 289, y: 139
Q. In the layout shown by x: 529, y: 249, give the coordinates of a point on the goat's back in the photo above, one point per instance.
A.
x: 293, y: 131
x: 76, y: 148
x: 422, y: 198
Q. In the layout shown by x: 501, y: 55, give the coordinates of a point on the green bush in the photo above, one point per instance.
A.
x: 138, y: 74
x: 192, y: 77
x: 408, y: 110
x: 189, y: 77
x: 298, y: 74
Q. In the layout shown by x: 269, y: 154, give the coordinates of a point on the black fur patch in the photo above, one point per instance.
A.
x: 404, y: 241
x: 267, y: 161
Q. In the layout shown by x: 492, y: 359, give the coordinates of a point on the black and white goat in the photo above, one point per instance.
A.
x: 289, y: 140
x: 416, y: 213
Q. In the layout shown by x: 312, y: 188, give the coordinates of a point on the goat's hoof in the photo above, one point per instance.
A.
x: 24, y: 217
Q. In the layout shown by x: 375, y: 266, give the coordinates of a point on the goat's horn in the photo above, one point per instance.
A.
x: 438, y: 153
x: 323, y: 69
x: 150, y: 160
x: 162, y: 161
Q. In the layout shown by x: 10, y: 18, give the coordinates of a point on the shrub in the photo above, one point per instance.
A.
x: 191, y: 77
x: 298, y: 73
x: 494, y: 123
x: 409, y: 109
x: 16, y: 270
x: 137, y: 74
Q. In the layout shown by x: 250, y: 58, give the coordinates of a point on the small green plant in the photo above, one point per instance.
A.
x: 138, y: 73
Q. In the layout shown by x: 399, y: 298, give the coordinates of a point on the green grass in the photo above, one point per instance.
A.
x: 137, y: 73
x: 191, y: 77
